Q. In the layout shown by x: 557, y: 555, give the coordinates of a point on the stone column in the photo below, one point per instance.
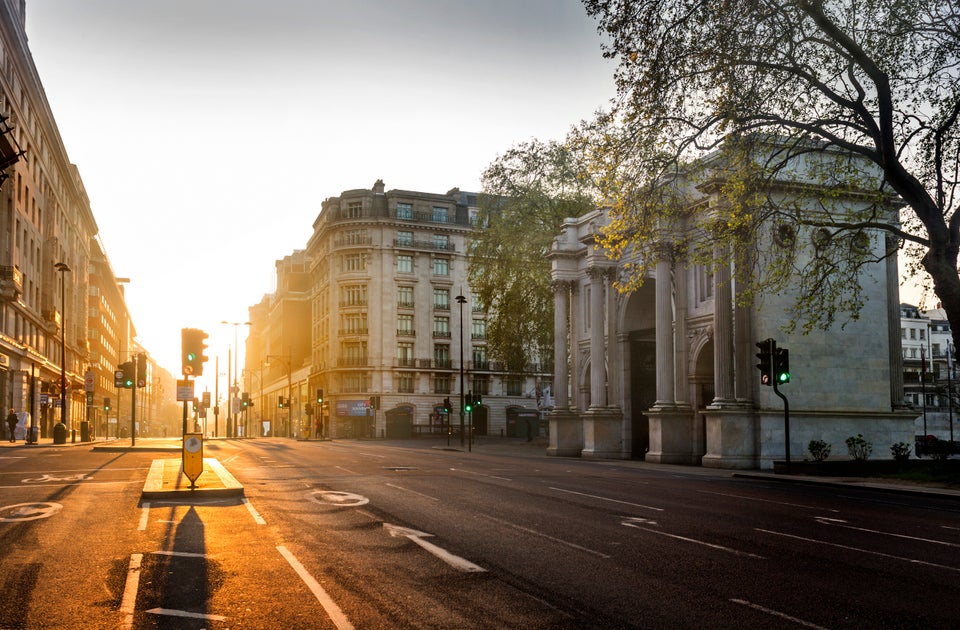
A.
x: 566, y: 428
x: 897, y: 395
x: 598, y: 372
x: 666, y: 383
x: 722, y: 329
x: 614, y: 356
x: 602, y: 424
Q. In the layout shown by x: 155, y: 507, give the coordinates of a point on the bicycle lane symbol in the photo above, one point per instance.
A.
x: 20, y: 512
x: 47, y: 478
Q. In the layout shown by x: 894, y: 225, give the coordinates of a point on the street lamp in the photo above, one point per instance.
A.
x: 63, y: 268
x: 461, y: 301
x: 231, y: 430
x: 289, y: 361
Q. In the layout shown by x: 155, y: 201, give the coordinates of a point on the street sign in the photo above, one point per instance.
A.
x: 192, y: 456
x: 185, y: 390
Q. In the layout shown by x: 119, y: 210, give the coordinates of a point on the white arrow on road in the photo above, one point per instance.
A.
x: 456, y: 562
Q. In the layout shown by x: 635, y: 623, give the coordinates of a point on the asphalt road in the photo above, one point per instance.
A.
x: 411, y: 534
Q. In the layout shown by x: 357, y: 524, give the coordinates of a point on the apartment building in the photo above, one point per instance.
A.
x: 929, y: 371
x: 391, y: 319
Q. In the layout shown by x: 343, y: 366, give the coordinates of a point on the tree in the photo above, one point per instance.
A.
x: 874, y: 79
x: 527, y: 194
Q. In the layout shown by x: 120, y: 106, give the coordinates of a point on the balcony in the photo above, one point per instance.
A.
x: 406, y: 332
x: 441, y: 334
x: 432, y: 246
x: 11, y: 283
x: 353, y: 362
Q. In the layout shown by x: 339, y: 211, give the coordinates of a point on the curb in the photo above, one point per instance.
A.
x: 153, y: 487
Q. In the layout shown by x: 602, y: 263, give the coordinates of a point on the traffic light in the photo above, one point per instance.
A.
x: 468, y: 402
x: 205, y: 401
x: 192, y: 344
x: 106, y: 404
x: 374, y: 402
x: 477, y: 400
x: 319, y: 395
x: 767, y: 349
x: 196, y: 405
x: 781, y: 365
x: 446, y: 405
x: 129, y: 378
x: 141, y: 370
x: 280, y: 402
x: 245, y: 399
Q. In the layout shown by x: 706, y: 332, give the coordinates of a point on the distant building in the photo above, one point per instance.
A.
x: 930, y: 376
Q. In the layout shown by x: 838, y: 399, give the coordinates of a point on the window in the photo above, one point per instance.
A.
x: 441, y: 384
x: 353, y: 324
x: 404, y: 238
x: 354, y: 237
x: 936, y: 349
x: 439, y: 214
x: 441, y: 241
x: 354, y: 210
x: 480, y: 358
x: 354, y: 262
x: 441, y: 299
x: 405, y: 297
x: 913, y: 333
x: 405, y: 325
x: 704, y: 284
x: 441, y: 326
x: 481, y: 385
x: 479, y: 330
x: 923, y: 334
x: 405, y: 211
x: 353, y: 382
x: 353, y: 295
x: 405, y: 383
x: 514, y: 386
x: 441, y: 267
x: 903, y: 333
x: 353, y: 354
x: 441, y: 355
x: 405, y: 263
x: 405, y: 354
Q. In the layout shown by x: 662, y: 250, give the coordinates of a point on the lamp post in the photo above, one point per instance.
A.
x: 231, y: 428
x: 289, y: 361
x: 923, y: 393
x: 461, y: 300
x: 63, y: 268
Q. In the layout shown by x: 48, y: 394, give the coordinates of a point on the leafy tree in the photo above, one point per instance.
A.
x: 767, y: 82
x: 527, y: 193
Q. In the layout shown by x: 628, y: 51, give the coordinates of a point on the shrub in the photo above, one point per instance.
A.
x: 859, y: 448
x: 900, y: 451
x: 819, y: 449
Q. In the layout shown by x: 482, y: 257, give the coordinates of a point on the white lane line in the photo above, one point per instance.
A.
x: 333, y: 611
x: 470, y: 472
x: 758, y: 500
x: 546, y: 536
x: 866, y: 551
x: 838, y: 523
x: 593, y: 496
x: 458, y: 563
x: 634, y: 524
x: 144, y: 517
x: 347, y: 470
x: 129, y: 601
x: 253, y: 512
x: 777, y: 613
x: 75, y: 483
x: 425, y: 496
x: 170, y: 612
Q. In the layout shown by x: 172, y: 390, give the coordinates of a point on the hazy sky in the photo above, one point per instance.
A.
x: 208, y: 132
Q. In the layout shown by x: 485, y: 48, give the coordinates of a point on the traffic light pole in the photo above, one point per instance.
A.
x: 786, y: 423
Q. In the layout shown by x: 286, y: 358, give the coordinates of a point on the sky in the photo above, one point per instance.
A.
x: 208, y: 132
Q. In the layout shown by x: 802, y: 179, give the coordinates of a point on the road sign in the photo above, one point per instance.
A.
x: 192, y: 456
x: 185, y: 390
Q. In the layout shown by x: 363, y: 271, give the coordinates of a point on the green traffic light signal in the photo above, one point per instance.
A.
x: 781, y: 365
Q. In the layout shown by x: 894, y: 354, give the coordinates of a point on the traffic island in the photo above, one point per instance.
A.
x: 166, y: 480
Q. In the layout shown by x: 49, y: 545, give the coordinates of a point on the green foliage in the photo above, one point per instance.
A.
x: 527, y: 194
x: 858, y: 448
x: 876, y: 80
x: 901, y: 451
x: 819, y: 450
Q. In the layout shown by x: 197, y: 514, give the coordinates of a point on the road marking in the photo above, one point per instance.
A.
x: 470, y: 472
x: 458, y: 563
x: 839, y: 523
x: 75, y: 483
x: 777, y: 613
x: 547, y: 536
x: 333, y: 611
x: 128, y: 603
x: 593, y: 496
x: 866, y: 551
x: 425, y: 496
x: 253, y: 512
x: 630, y: 523
x: 758, y: 500
x: 144, y: 517
x: 183, y: 613
x: 46, y: 477
x: 347, y: 470
x: 20, y: 512
x: 339, y: 499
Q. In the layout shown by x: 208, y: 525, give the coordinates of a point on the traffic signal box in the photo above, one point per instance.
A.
x: 774, y: 363
x: 781, y: 365
x: 192, y: 345
x: 319, y: 395
x: 446, y: 405
x: 129, y: 374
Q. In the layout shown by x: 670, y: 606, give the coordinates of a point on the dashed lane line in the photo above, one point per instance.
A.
x: 333, y: 611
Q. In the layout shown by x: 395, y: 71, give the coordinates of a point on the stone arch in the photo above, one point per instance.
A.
x: 637, y: 325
